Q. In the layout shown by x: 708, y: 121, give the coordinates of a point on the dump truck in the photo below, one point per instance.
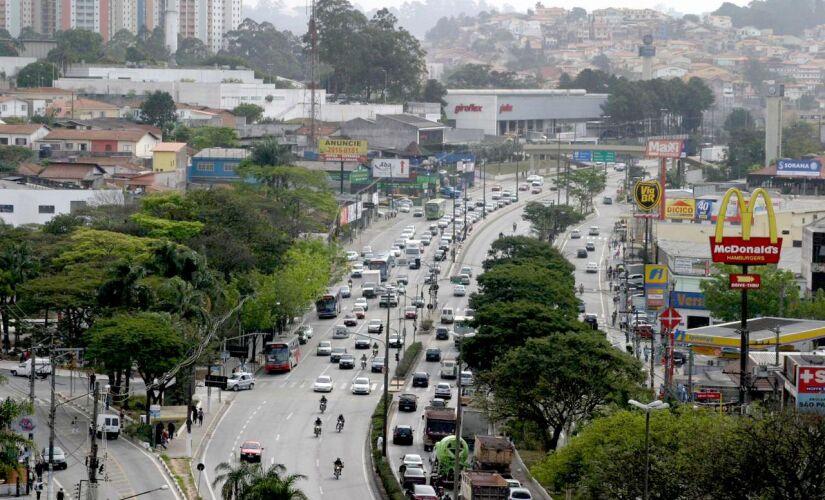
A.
x: 493, y: 453
x: 479, y: 485
x: 438, y: 423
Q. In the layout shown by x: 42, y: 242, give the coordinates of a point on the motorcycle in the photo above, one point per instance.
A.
x: 323, y: 407
x: 317, y: 430
x: 339, y: 426
x: 363, y: 364
x: 337, y: 471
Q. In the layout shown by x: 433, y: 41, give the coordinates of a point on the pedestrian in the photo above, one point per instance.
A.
x: 92, y: 379
x: 38, y: 488
x: 647, y: 353
x: 74, y: 425
x: 38, y: 469
x: 200, y: 417
x: 164, y: 438
x: 60, y: 494
x: 614, y: 318
x: 122, y: 416
x: 171, y: 428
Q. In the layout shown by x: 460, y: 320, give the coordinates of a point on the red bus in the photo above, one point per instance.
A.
x: 282, y: 354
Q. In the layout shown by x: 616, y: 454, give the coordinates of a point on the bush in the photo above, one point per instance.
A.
x: 408, y: 361
x: 426, y: 325
x: 391, y: 485
x: 142, y: 432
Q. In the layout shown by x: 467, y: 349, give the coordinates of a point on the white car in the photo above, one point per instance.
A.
x: 375, y: 326
x: 352, y: 255
x: 361, y: 385
x: 459, y: 291
x: 323, y: 384
x: 404, y: 209
x: 520, y: 494
x: 324, y: 348
x: 413, y: 460
x: 367, y: 249
x: 357, y: 270
x: 575, y: 234
x: 592, y: 267
x: 240, y: 381
x: 58, y: 456
x: 362, y: 302
x: 340, y: 332
x: 306, y: 331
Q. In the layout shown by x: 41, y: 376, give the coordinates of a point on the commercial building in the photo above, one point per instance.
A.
x: 24, y: 205
x: 813, y: 255
x: 396, y: 132
x: 216, y: 165
x: 506, y: 111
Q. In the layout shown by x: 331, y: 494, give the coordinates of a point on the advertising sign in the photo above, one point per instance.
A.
x: 664, y: 148
x: 655, y: 296
x: 707, y: 396
x: 804, y: 168
x: 647, y: 194
x: 745, y: 281
x: 704, y: 210
x: 341, y: 149
x: 465, y: 166
x: 359, y: 176
x: 390, y: 167
x: 687, y: 300
x: 655, y: 274
x: 670, y: 318
x: 811, y: 402
x: 683, y: 208
x: 744, y: 249
x: 810, y: 380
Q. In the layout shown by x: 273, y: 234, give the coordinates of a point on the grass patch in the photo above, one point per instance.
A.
x: 391, y: 485
x: 408, y: 361
x: 531, y: 457
x: 142, y: 432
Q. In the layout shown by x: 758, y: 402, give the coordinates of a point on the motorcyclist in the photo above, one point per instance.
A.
x: 323, y: 400
x: 341, y: 420
x: 318, y: 421
x: 514, y: 227
x: 501, y: 235
x: 363, y: 361
x: 338, y: 464
x: 581, y: 289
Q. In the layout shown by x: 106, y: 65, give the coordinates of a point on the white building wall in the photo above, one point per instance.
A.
x: 145, y: 146
x: 14, y: 109
x: 12, y: 65
x: 344, y: 112
x: 201, y: 75
x: 26, y: 203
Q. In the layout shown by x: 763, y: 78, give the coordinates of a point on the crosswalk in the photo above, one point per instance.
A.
x: 307, y: 384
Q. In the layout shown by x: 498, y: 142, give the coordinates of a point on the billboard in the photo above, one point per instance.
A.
x: 682, y: 208
x: 803, y: 168
x: 704, y: 210
x: 655, y: 285
x: 655, y: 274
x: 744, y: 249
x: 342, y: 149
x: 647, y: 194
x: 664, y: 148
x: 687, y: 300
x: 390, y: 167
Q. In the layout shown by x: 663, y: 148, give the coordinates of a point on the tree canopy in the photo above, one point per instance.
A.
x: 37, y: 74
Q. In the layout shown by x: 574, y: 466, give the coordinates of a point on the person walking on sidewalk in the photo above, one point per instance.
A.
x: 200, y: 417
x: 61, y: 495
x: 92, y: 378
x: 171, y: 429
x: 38, y: 488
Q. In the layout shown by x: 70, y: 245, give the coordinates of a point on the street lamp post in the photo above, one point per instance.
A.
x: 386, y: 380
x: 647, y: 408
x: 159, y: 488
x: 484, y: 189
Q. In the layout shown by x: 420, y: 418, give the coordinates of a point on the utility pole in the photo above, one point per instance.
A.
x: 457, y: 462
x: 92, y: 459
x: 386, y: 380
x: 52, y: 409
x: 32, y: 371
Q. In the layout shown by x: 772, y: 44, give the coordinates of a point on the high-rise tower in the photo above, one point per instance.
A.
x: 171, y: 25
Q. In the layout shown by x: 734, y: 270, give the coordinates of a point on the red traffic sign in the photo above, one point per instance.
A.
x: 745, y: 281
x: 707, y: 396
x: 670, y: 318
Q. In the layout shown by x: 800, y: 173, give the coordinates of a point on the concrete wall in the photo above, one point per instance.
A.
x: 200, y: 75
x: 27, y: 202
x: 330, y: 112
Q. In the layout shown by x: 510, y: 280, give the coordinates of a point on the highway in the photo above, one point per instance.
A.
x: 280, y: 411
x: 128, y: 469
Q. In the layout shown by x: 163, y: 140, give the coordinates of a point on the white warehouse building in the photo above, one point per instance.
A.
x: 508, y: 111
x: 21, y: 204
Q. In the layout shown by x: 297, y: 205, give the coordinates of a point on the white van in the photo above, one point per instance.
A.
x: 43, y: 368
x: 108, y: 426
x: 449, y: 369
x: 447, y: 315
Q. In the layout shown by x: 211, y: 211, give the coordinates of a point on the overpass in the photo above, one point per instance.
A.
x: 554, y: 148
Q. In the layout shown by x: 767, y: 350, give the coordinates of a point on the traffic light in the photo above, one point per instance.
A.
x: 396, y: 355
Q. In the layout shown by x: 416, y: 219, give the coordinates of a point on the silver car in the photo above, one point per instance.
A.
x: 240, y: 381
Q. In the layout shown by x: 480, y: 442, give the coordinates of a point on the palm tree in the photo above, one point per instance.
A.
x: 236, y: 479
x: 18, y: 264
x: 182, y: 298
x: 125, y: 288
x: 273, y: 485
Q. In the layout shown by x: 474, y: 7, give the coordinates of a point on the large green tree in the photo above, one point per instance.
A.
x: 525, y: 281
x: 37, y: 74
x: 76, y: 45
x: 799, y: 139
x: 560, y: 380
x: 159, y: 109
x: 191, y: 52
x: 777, y: 293
x: 548, y: 221
x: 266, y: 49
x: 252, y: 112
x: 746, y: 151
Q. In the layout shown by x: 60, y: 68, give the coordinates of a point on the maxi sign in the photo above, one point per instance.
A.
x: 664, y: 148
x: 745, y: 250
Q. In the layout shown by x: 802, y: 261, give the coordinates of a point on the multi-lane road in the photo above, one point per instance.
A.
x: 281, y: 410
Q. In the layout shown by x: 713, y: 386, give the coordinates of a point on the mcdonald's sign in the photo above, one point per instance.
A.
x: 744, y: 249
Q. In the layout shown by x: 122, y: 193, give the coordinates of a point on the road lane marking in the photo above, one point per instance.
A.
x: 289, y: 416
x: 278, y: 437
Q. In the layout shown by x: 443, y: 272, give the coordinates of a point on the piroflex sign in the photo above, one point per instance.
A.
x: 467, y: 108
x: 745, y: 250
x: 664, y: 148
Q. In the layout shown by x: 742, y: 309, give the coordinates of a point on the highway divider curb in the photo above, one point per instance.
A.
x: 172, y: 476
x: 383, y: 477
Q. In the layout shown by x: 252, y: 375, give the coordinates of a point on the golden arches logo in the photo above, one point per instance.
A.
x: 744, y: 249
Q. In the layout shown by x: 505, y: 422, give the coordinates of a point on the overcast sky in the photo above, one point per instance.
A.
x: 692, y: 6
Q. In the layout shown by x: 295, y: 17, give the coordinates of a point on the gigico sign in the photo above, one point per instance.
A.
x: 744, y: 249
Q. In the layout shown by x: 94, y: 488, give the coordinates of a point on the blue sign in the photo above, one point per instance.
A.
x: 805, y: 168
x: 583, y: 155
x: 687, y: 300
x: 810, y: 402
x: 704, y: 210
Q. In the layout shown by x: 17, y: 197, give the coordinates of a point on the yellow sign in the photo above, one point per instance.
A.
x: 342, y: 147
x: 745, y: 250
x: 682, y: 208
x: 655, y: 274
x: 647, y: 194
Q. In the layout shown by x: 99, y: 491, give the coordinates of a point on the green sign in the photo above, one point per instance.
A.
x: 423, y: 180
x: 604, y: 156
x: 359, y: 176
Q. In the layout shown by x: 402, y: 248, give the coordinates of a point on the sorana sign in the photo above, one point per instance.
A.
x: 744, y: 249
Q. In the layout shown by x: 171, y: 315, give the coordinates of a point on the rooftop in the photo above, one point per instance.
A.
x: 762, y: 333
x: 20, y: 129
x: 169, y: 147
x: 129, y: 135
x: 237, y: 153
x: 415, y: 121
x: 527, y: 92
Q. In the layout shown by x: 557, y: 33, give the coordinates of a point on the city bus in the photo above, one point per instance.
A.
x: 328, y: 305
x: 382, y: 264
x: 282, y: 354
x: 434, y: 209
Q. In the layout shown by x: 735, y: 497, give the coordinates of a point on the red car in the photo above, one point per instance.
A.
x: 359, y: 312
x: 410, y: 312
x: 251, y: 451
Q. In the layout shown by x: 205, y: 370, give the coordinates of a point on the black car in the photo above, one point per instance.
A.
x: 439, y: 255
x: 581, y: 253
x: 679, y: 358
x: 403, y: 279
x: 347, y: 362
x: 402, y: 435
x: 441, y: 333
x: 407, y: 402
x: 591, y: 320
x: 361, y: 343
x: 421, y: 379
x: 433, y: 354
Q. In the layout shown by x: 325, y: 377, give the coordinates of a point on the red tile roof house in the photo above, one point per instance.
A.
x: 134, y: 142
